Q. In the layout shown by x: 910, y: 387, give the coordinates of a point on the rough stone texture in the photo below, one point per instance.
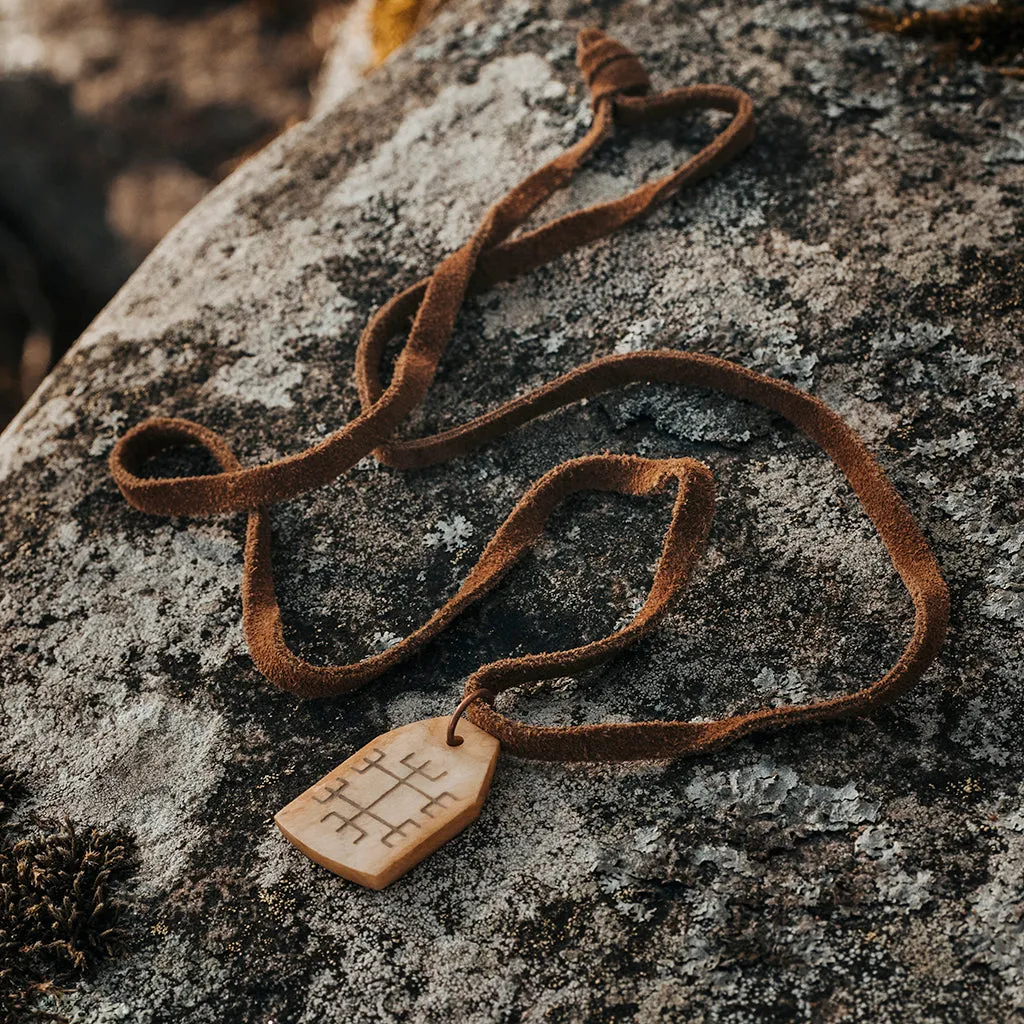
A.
x: 868, y: 247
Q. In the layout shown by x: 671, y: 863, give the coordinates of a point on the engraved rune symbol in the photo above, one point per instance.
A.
x: 394, y: 785
x: 392, y: 802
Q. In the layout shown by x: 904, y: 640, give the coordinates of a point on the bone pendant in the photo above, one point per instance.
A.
x: 394, y: 802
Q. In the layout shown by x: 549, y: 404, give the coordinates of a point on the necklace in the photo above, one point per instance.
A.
x: 399, y: 798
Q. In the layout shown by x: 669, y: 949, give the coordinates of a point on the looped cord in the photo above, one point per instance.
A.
x: 619, y: 87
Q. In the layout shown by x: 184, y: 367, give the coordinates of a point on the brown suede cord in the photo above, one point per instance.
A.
x: 619, y: 89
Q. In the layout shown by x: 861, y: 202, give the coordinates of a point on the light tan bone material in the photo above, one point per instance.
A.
x: 394, y: 802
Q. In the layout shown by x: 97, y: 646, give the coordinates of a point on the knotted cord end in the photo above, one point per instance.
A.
x: 608, y: 67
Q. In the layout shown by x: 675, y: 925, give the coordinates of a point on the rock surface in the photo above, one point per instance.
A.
x: 868, y: 248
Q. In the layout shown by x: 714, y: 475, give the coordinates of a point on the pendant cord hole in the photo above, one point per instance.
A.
x: 452, y: 739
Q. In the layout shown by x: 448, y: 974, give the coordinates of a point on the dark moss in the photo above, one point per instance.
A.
x: 60, y: 905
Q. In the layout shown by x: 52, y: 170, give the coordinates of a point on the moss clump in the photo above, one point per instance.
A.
x: 990, y: 33
x: 58, y: 910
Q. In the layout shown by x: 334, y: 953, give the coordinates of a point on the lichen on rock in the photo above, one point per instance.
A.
x: 866, y: 248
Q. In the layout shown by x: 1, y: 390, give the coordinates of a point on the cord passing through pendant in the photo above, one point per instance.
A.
x: 452, y: 740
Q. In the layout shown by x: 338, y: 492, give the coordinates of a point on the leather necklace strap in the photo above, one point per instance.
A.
x: 619, y: 90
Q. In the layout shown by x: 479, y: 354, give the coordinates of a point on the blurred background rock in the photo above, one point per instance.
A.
x: 117, y: 116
